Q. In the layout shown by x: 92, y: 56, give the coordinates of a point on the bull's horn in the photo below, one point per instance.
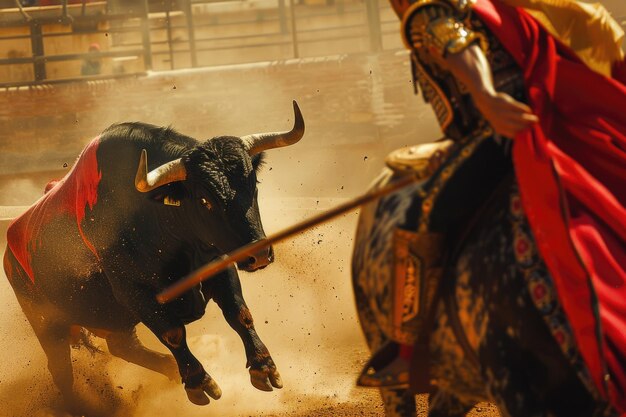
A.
x: 169, y: 172
x: 263, y: 141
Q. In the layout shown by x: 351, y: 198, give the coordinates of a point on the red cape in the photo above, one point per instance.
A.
x: 571, y: 169
x: 67, y: 197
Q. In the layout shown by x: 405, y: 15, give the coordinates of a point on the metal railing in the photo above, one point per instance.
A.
x: 185, y: 34
x: 180, y: 35
x: 286, y: 30
x: 48, y: 31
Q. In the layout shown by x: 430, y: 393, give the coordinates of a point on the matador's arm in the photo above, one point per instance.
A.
x: 435, y: 30
x: 506, y: 115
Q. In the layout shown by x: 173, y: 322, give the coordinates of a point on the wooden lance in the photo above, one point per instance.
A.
x: 238, y: 255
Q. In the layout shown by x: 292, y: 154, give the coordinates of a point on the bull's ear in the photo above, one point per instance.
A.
x: 258, y: 161
x: 170, y: 195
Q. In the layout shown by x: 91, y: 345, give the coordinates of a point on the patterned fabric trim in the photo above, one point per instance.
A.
x: 432, y: 94
x: 543, y: 292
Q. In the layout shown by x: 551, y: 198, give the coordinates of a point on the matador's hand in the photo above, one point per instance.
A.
x: 507, y: 116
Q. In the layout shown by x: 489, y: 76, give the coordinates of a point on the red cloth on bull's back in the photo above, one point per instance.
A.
x: 70, y: 197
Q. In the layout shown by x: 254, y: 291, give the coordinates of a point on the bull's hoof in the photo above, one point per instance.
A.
x: 198, y: 395
x: 265, y: 378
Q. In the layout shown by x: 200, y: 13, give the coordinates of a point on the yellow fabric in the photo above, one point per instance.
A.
x: 587, y: 28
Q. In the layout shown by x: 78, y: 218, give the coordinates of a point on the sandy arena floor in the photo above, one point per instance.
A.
x: 304, y: 312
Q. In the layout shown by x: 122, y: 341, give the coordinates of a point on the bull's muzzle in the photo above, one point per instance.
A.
x: 258, y: 260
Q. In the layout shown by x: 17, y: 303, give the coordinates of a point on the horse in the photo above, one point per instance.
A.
x: 498, y: 332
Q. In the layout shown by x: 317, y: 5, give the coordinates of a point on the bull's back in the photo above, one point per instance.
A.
x: 84, y: 213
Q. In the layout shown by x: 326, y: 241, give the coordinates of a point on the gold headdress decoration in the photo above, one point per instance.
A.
x: 587, y: 28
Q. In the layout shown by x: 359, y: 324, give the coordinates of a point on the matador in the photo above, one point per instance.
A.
x: 535, y: 88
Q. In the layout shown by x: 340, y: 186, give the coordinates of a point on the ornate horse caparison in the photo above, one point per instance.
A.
x: 497, y: 319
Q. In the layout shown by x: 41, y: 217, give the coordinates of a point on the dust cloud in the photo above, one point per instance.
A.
x: 302, y: 304
x: 18, y: 191
x: 303, y: 311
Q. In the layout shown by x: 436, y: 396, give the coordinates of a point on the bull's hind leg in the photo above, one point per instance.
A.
x: 226, y: 291
x: 52, y: 335
x: 55, y: 341
x: 126, y: 345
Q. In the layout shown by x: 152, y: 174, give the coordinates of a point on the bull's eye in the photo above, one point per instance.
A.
x: 206, y: 203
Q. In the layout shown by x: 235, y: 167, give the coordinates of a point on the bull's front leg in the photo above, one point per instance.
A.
x: 226, y: 291
x: 198, y: 383
x: 133, y: 293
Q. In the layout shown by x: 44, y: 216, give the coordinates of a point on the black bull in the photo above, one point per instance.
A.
x: 496, y: 323
x: 99, y: 245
